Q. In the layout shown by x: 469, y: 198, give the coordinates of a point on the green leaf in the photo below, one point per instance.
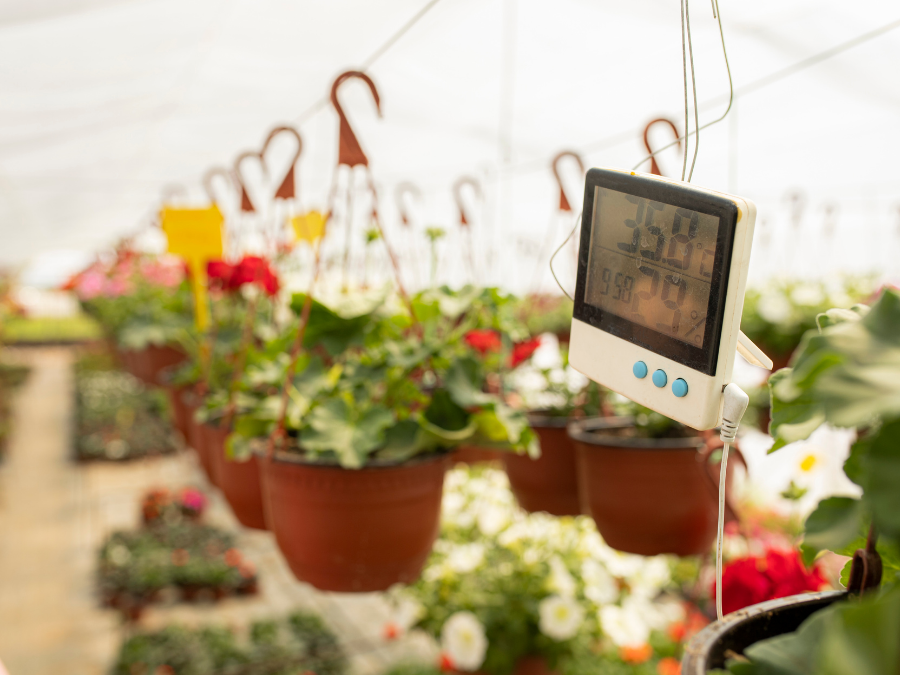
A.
x: 795, y: 414
x: 404, y: 440
x: 463, y: 383
x: 880, y: 478
x: 862, y: 637
x: 335, y: 427
x: 444, y: 413
x: 835, y: 523
x: 338, y: 326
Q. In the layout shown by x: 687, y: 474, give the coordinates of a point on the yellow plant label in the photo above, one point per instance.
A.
x: 194, y: 233
x: 196, y: 236
x: 309, y: 227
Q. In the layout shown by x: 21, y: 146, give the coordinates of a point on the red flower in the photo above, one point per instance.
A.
x: 484, y: 340
x: 391, y: 631
x: 751, y: 580
x: 445, y: 663
x: 219, y: 273
x: 255, y: 270
x: 522, y: 351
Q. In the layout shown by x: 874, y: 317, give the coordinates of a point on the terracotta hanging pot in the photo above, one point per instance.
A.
x: 238, y: 481
x: 208, y: 441
x: 471, y: 455
x: 353, y: 530
x: 194, y: 436
x: 156, y: 359
x: 179, y: 411
x: 648, y: 496
x: 549, y: 483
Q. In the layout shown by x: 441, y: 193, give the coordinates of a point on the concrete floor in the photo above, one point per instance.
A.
x: 55, y: 513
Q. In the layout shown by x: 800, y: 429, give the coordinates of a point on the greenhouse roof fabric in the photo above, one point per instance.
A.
x: 108, y: 105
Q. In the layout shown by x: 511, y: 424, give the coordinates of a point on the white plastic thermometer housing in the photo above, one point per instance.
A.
x: 662, y: 268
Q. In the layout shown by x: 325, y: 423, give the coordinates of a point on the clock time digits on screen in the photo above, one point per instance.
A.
x: 652, y: 263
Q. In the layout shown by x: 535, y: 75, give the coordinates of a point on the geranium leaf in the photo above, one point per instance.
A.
x: 462, y: 382
x: 335, y: 427
x: 444, y: 413
x: 836, y: 523
x: 861, y: 637
x: 794, y: 417
x: 880, y: 477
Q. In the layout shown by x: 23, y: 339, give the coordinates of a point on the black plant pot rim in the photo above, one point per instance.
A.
x: 590, y: 431
x: 705, y: 651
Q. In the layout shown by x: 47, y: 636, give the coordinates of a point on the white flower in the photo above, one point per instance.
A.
x: 463, y: 640
x: 491, y: 519
x: 560, y: 617
x: 624, y: 625
x: 465, y: 558
x: 599, y: 585
x: 651, y: 577
x: 547, y: 355
x: 575, y: 381
x: 622, y: 565
x: 407, y: 611
x: 560, y: 580
x: 452, y: 504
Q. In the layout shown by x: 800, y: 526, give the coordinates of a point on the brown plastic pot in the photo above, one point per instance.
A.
x: 648, y: 496
x: 711, y: 647
x: 179, y: 411
x: 155, y: 359
x: 194, y: 435
x: 238, y: 481
x: 549, y: 483
x: 471, y: 455
x: 353, y: 530
x: 208, y: 440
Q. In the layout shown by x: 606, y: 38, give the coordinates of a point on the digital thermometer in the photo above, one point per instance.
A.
x: 662, y: 267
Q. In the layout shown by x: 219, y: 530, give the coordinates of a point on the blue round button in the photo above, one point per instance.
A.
x: 660, y: 378
x: 640, y: 370
x: 679, y: 388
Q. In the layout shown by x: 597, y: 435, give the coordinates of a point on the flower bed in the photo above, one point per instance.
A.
x: 173, y: 550
x: 12, y: 376
x: 504, y: 588
x: 300, y: 643
x: 116, y: 416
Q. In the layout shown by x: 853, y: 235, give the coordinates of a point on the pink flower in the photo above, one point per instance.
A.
x: 90, y: 285
x: 193, y: 500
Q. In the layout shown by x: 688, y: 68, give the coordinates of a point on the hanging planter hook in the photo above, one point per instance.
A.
x: 402, y: 190
x: 246, y: 204
x: 563, y: 201
x: 350, y: 152
x: 457, y: 195
x: 208, y: 178
x: 287, y: 189
x: 654, y: 166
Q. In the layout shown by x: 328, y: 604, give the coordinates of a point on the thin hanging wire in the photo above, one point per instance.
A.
x: 553, y: 257
x: 687, y: 18
x: 717, y: 13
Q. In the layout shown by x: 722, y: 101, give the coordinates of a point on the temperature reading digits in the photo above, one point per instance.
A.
x: 652, y: 263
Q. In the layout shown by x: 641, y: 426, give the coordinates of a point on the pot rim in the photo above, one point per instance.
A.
x: 283, y: 457
x: 539, y: 419
x: 582, y: 431
x: 697, y: 652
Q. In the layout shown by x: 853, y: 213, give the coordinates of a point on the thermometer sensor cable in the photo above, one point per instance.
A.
x: 736, y: 402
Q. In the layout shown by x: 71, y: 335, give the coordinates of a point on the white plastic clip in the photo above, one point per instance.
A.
x: 752, y: 353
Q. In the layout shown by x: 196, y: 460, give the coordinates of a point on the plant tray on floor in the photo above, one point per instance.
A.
x: 301, y: 643
x: 182, y: 560
x: 117, y: 417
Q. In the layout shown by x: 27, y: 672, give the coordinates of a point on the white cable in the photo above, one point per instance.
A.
x: 735, y: 405
x: 721, y: 531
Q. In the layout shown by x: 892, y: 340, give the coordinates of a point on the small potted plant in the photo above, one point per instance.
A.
x: 555, y: 395
x: 352, y: 482
x: 843, y: 375
x: 509, y: 592
x: 649, y: 482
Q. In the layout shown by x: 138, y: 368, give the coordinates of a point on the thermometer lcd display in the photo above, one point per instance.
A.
x: 652, y: 263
